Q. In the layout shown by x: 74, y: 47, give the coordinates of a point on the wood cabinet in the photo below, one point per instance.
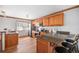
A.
x: 44, y: 46
x: 42, y: 33
x: 45, y: 21
x: 33, y: 34
x: 56, y: 20
x: 60, y: 19
x: 11, y: 40
x: 51, y: 21
x: 39, y: 20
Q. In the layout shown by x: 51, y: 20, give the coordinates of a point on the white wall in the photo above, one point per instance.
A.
x: 71, y: 22
x: 11, y: 24
x: 8, y: 23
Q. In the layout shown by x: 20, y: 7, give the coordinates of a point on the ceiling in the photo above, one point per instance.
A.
x: 31, y: 11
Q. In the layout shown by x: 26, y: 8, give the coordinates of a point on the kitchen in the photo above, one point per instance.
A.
x: 48, y: 30
x: 52, y: 26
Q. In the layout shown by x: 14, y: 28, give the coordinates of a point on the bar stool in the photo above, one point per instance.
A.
x: 72, y: 44
x: 69, y: 40
x: 61, y: 49
x: 68, y: 46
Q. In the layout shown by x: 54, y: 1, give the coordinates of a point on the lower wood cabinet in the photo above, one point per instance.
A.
x: 11, y: 40
x: 42, y: 33
x: 33, y: 34
x: 44, y: 46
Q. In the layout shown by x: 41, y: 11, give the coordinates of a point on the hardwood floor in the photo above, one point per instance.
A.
x: 25, y: 45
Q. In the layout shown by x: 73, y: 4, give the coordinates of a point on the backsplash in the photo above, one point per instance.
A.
x: 53, y: 28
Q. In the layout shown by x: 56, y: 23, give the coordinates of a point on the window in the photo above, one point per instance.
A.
x: 22, y: 26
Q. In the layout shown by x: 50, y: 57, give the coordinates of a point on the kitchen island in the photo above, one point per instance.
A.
x: 11, y: 39
x: 47, y: 43
x: 8, y: 40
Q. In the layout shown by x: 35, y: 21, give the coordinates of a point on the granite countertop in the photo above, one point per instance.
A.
x: 55, y: 38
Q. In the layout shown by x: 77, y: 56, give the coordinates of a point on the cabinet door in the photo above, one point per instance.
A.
x: 7, y: 41
x: 51, y: 21
x: 57, y: 20
x: 42, y: 46
x: 14, y: 39
x: 33, y: 34
x: 11, y: 40
x: 45, y: 21
x: 40, y: 21
x: 61, y: 19
x: 42, y: 33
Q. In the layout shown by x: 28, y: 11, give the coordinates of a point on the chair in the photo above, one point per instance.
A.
x: 68, y: 46
x: 61, y: 49
x: 71, y: 44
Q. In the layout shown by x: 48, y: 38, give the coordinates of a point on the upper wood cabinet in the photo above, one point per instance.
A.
x: 45, y: 21
x: 56, y: 20
x: 51, y: 21
x: 60, y: 19
x: 40, y: 21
